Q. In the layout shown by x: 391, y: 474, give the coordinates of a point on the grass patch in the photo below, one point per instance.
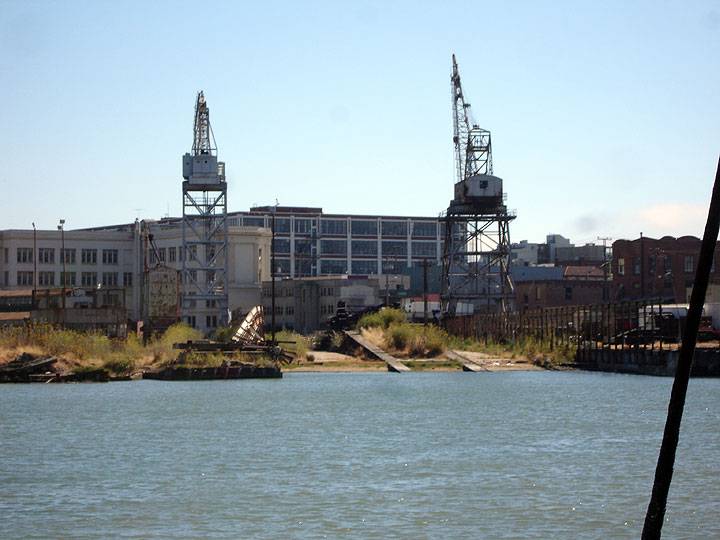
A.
x: 382, y: 319
x: 297, y: 344
x: 431, y: 365
x: 535, y: 350
x: 94, y: 349
x: 119, y: 365
x: 196, y: 359
x: 416, y: 340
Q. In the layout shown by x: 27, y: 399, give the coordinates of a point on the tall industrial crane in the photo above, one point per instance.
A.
x: 204, y: 228
x: 476, y: 250
x: 473, y: 147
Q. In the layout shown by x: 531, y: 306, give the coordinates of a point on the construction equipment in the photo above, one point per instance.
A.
x: 476, y: 250
x: 161, y: 288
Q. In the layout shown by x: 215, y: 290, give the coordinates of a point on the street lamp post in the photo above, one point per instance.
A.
x: 61, y: 228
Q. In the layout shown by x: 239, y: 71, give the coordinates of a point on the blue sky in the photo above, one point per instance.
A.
x: 605, y: 116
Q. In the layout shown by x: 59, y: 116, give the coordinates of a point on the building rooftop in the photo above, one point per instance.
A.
x: 583, y: 272
x: 536, y: 273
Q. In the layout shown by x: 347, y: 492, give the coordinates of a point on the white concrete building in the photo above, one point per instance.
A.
x: 308, y: 243
x: 117, y: 257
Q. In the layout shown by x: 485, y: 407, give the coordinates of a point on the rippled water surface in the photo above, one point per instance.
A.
x: 456, y: 455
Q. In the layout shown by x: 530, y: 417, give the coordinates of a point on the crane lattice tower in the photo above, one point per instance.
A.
x: 204, y: 226
x: 476, y: 249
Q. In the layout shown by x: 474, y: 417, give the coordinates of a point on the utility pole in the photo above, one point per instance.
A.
x: 61, y: 228
x: 642, y: 266
x: 272, y: 274
x: 425, y: 291
x: 605, y: 240
x: 34, y: 293
x: 387, y: 280
x: 387, y: 290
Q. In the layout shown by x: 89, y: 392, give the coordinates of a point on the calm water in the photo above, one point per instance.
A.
x: 457, y: 455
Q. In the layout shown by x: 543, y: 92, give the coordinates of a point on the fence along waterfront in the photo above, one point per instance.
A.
x: 637, y: 325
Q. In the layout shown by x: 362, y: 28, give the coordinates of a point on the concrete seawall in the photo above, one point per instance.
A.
x: 706, y: 363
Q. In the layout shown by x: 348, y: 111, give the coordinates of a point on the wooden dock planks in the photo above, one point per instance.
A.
x: 393, y: 364
x: 467, y: 364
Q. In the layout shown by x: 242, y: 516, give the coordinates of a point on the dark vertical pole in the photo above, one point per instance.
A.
x: 642, y: 266
x: 606, y: 292
x: 272, y: 277
x: 666, y: 460
x: 425, y: 291
x: 64, y: 272
x: 654, y: 325
x: 35, y: 276
x: 662, y: 324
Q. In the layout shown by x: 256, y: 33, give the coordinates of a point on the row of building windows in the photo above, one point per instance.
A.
x: 67, y: 255
x: 654, y: 267
x: 211, y: 321
x: 109, y: 256
x: 69, y: 279
x: 368, y: 248
x: 327, y: 291
x: 340, y: 266
x: 175, y: 254
x: 279, y: 292
x: 339, y: 227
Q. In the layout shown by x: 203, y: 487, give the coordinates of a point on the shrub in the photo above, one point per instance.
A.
x: 162, y: 348
x: 120, y: 365
x: 383, y: 318
x: 180, y: 333
x: 416, y: 340
x: 428, y: 342
x: 204, y: 360
x: 298, y: 344
x: 370, y: 320
x: 398, y: 336
x: 223, y: 334
x: 435, y: 340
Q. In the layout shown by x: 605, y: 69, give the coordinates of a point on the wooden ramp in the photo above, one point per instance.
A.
x: 393, y: 364
x: 467, y: 364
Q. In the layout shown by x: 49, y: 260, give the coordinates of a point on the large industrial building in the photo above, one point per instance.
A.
x: 119, y: 257
x: 308, y: 243
x: 207, y: 266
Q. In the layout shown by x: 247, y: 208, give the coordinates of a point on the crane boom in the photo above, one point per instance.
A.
x: 461, y: 122
x: 473, y: 149
x: 204, y: 139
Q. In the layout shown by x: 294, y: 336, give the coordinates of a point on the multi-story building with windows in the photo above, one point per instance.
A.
x: 311, y: 243
x: 308, y: 243
x: 664, y: 268
x: 117, y: 257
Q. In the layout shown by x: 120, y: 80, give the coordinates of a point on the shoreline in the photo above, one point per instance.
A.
x: 42, y: 368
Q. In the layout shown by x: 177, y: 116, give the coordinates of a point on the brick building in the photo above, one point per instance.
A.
x: 657, y: 268
x: 554, y: 286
